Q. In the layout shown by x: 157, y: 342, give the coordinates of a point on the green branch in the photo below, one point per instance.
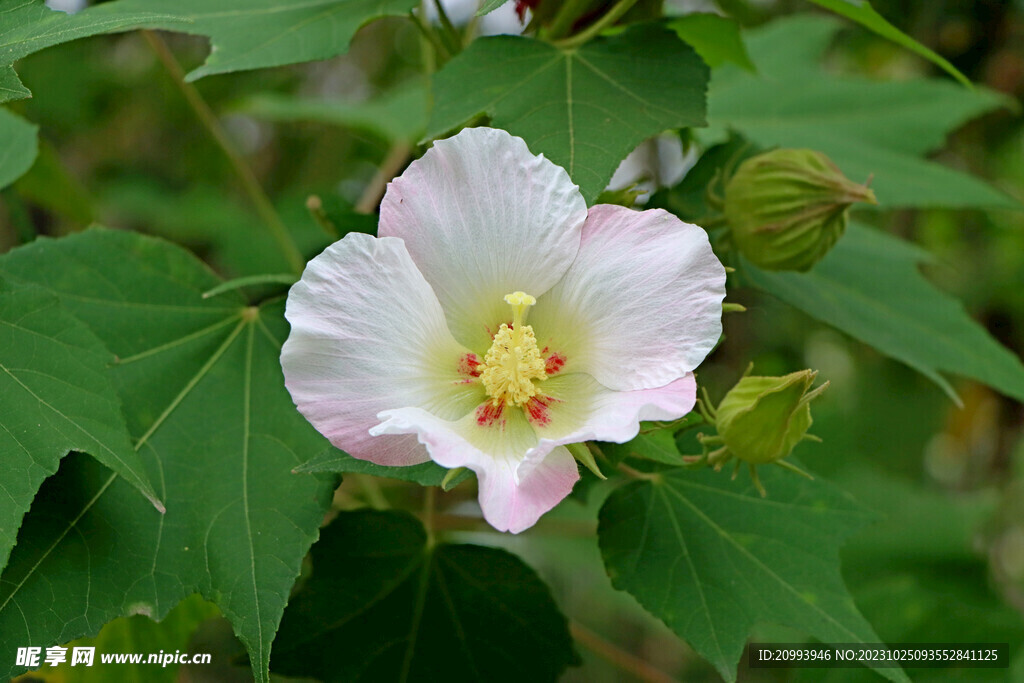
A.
x: 249, y: 182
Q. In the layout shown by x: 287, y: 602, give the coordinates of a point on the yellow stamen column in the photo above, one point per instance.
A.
x: 513, y: 361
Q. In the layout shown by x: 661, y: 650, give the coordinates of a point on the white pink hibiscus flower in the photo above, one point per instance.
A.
x: 495, y: 320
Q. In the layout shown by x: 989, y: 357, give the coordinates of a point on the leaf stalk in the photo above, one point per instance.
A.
x: 605, y: 21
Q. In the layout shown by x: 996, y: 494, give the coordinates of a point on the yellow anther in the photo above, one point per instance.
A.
x: 513, y: 361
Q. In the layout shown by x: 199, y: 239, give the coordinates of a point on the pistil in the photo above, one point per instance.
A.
x: 513, y: 362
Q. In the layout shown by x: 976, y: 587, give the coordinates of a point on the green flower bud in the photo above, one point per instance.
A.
x: 762, y: 419
x: 786, y: 208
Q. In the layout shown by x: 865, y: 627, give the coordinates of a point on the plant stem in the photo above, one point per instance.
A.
x: 251, y: 280
x: 451, y: 37
x: 616, y: 656
x: 315, y: 206
x: 389, y: 168
x: 567, y: 15
x: 429, y: 498
x: 440, y: 51
x: 371, y: 491
x: 637, y: 474
x: 249, y: 182
x: 609, y: 18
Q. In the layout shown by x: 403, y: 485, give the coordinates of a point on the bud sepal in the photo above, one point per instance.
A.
x: 760, y: 421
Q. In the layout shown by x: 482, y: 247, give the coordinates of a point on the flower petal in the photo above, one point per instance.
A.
x: 368, y: 334
x: 483, y: 217
x: 516, y: 507
x: 581, y: 409
x: 510, y: 501
x: 642, y: 303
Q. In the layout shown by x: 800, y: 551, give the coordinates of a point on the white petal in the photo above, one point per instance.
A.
x: 642, y: 303
x: 368, y: 334
x: 581, y: 409
x: 483, y: 217
x: 510, y: 501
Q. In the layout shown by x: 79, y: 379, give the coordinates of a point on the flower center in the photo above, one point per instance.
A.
x: 513, y: 361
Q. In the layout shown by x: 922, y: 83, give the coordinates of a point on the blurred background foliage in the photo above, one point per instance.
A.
x: 120, y: 146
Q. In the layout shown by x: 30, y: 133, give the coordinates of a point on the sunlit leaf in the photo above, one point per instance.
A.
x: 870, y: 287
x: 253, y: 34
x: 712, y: 558
x: 908, y: 533
x: 716, y: 38
x: 870, y: 129
x: 18, y: 147
x: 11, y: 87
x: 396, y: 116
x: 209, y: 221
x: 383, y: 604
x: 205, y: 402
x: 864, y: 14
x: 55, y: 397
x: 489, y: 6
x: 135, y: 635
x: 651, y: 443
x: 584, y: 108
x: 48, y: 184
x: 28, y: 26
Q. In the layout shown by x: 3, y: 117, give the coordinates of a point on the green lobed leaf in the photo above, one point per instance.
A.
x: 399, y: 115
x: 49, y: 185
x: 921, y: 581
x: 18, y: 147
x: 792, y: 49
x: 489, y: 6
x: 339, y: 462
x: 207, y: 221
x: 658, y: 445
x: 864, y: 14
x: 869, y: 286
x: 909, y: 534
x: 938, y: 603
x: 29, y: 26
x: 55, y: 397
x: 11, y: 87
x: 716, y: 39
x: 138, y: 635
x: 712, y: 558
x: 383, y: 604
x: 584, y: 108
x: 205, y: 401
x: 868, y: 128
x: 254, y: 34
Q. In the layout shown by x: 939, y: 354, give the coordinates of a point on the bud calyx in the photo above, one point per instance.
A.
x: 761, y: 420
x: 787, y: 207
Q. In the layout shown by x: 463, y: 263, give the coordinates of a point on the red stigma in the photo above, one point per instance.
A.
x: 488, y: 413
